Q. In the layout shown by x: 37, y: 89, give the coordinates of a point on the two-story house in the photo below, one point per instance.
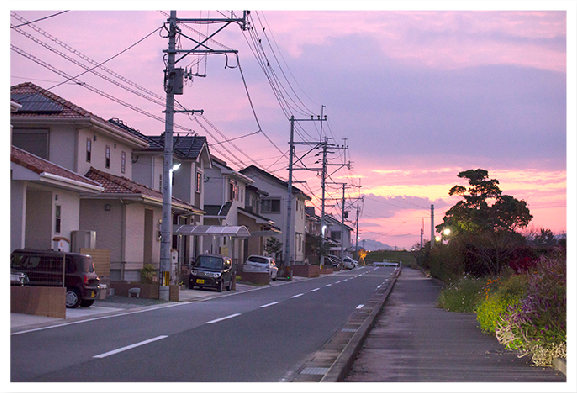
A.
x: 230, y: 198
x: 124, y: 215
x: 274, y: 206
x: 192, y: 154
x: 340, y: 235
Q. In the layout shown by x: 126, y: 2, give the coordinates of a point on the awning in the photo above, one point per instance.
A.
x: 212, y: 230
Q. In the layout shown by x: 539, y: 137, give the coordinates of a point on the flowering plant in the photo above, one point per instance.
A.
x: 536, y: 325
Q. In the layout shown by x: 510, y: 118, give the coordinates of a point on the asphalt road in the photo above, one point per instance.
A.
x: 256, y: 336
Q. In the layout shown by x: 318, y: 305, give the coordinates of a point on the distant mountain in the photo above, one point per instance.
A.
x: 373, y: 245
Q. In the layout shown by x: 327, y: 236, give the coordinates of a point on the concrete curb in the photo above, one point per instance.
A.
x: 560, y: 365
x: 341, y: 366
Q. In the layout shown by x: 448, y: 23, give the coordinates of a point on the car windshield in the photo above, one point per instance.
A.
x: 258, y: 260
x: 206, y: 262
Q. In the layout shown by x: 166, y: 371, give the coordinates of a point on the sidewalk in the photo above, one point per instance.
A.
x: 414, y: 341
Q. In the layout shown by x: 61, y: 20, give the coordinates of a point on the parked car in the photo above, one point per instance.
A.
x: 260, y: 263
x: 55, y: 268
x: 18, y: 278
x: 332, y: 260
x: 211, y: 271
x: 349, y: 263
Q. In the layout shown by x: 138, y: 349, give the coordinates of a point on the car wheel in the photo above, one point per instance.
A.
x: 220, y: 286
x: 190, y: 286
x: 72, y: 298
x: 86, y: 303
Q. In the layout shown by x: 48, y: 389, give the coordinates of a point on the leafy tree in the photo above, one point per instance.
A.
x: 485, y: 218
x: 545, y: 238
x: 273, y: 247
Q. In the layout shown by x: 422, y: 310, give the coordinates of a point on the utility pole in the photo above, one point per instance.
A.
x: 166, y: 225
x: 432, y: 226
x: 422, y: 231
x: 357, y: 239
x: 173, y: 84
x: 323, y: 185
x: 288, y: 256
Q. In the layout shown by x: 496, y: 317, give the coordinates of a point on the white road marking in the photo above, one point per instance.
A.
x: 360, y: 306
x: 337, y: 282
x: 268, y: 304
x: 299, y: 295
x: 131, y: 346
x: 316, y: 289
x: 329, y: 285
x: 223, y: 318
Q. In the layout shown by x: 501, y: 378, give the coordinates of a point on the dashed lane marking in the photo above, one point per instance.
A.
x: 131, y: 346
x: 223, y: 318
x: 268, y: 304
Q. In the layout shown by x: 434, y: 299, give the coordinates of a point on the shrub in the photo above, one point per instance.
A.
x: 536, y: 326
x: 146, y: 273
x: 499, y: 295
x: 461, y: 295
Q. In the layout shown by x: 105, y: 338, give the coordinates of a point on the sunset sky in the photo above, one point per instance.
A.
x: 418, y: 95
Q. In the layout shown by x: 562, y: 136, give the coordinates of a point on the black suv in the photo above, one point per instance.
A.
x: 211, y: 271
x: 54, y: 268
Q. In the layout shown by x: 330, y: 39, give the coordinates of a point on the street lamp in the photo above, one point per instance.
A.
x: 446, y: 232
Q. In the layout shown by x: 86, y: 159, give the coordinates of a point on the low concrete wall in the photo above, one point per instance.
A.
x: 148, y: 291
x: 328, y: 270
x: 255, y: 277
x: 36, y: 300
x: 307, y: 270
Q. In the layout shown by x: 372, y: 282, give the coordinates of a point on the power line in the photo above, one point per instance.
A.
x: 38, y: 20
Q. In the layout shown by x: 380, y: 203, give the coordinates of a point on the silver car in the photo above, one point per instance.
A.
x: 260, y: 263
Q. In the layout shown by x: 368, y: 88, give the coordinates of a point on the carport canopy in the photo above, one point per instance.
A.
x: 212, y: 230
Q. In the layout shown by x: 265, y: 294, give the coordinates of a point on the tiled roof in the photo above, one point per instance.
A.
x: 253, y: 168
x: 121, y: 185
x: 39, y: 165
x: 39, y: 102
x: 151, y: 142
x: 184, y: 146
x: 188, y: 146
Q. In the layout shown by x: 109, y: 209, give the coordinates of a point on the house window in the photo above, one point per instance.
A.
x: 198, y: 181
x: 107, y: 157
x: 160, y: 183
x: 270, y: 206
x: 58, y: 226
x: 233, y: 191
x: 88, y: 149
x: 123, y: 162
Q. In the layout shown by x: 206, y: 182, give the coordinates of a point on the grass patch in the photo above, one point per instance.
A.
x: 462, y: 295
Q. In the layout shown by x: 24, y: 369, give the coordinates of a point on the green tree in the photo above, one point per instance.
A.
x: 273, y: 247
x: 485, y: 218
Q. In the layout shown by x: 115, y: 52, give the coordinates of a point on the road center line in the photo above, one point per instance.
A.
x: 316, y: 289
x: 223, y: 318
x: 268, y: 304
x: 360, y: 306
x: 329, y: 285
x: 299, y: 295
x: 131, y: 346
